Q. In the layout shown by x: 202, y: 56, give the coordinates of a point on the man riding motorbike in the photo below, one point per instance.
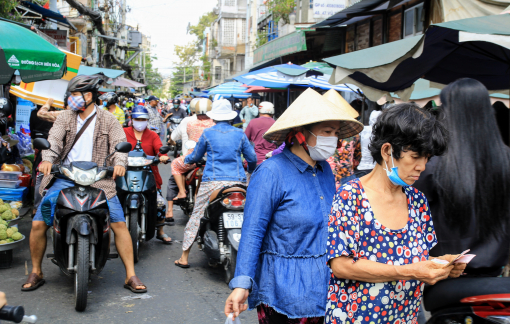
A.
x: 150, y: 144
x: 110, y: 103
x: 194, y: 130
x: 96, y: 142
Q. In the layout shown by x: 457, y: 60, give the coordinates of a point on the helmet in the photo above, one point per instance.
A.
x: 6, y: 107
x: 85, y: 83
x: 265, y: 107
x: 238, y: 105
x: 140, y: 102
x: 176, y: 102
x: 203, y: 105
x: 111, y: 98
x: 192, y: 104
x: 217, y: 97
x: 140, y: 112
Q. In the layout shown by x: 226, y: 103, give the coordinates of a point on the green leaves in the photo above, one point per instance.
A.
x: 281, y: 9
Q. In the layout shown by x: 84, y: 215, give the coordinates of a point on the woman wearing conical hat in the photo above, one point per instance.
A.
x: 282, y: 263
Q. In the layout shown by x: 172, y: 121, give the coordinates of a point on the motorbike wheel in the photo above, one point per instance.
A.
x: 133, y: 231
x: 81, y: 277
x: 191, y: 200
x: 230, y: 269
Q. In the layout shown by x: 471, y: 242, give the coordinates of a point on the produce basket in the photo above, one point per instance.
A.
x: 6, y: 252
x: 14, y: 221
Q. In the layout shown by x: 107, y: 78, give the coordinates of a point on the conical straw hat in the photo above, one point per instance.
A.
x: 339, y: 101
x: 310, y: 108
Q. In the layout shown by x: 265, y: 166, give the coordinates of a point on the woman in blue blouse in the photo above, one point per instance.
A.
x: 281, y: 263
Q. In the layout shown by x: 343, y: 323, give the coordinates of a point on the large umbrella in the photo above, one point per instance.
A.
x: 123, y: 82
x: 35, y: 58
x: 477, y: 48
x: 231, y: 89
x: 278, y: 77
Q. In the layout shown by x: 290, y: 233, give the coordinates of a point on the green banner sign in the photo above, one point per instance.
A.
x: 281, y: 46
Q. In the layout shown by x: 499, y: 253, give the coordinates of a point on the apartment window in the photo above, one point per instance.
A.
x: 230, y: 3
x: 413, y: 21
x: 311, y: 4
x: 243, y: 31
x: 229, y: 32
x: 217, y: 72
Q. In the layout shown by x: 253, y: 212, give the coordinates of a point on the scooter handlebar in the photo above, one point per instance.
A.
x: 12, y: 313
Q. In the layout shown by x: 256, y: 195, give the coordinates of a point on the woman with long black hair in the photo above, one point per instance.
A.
x: 468, y: 188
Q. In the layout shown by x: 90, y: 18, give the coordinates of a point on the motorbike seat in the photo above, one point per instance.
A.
x: 450, y: 292
x: 215, y: 193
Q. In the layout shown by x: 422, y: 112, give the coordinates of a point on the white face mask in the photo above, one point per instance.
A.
x: 324, y: 148
x: 140, y: 125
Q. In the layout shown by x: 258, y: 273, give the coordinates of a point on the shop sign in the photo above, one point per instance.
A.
x: 59, y: 35
x: 323, y: 9
x: 281, y: 46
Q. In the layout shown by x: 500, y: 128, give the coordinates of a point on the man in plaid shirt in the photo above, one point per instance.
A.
x: 155, y: 120
x: 95, y: 144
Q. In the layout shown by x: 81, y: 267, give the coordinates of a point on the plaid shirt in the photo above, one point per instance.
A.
x: 119, y: 114
x: 107, y: 134
x: 155, y: 119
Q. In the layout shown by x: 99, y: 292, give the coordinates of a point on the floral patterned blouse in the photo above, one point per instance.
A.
x: 346, y: 158
x: 355, y: 232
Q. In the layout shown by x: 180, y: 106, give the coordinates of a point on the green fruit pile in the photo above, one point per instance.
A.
x: 9, y: 234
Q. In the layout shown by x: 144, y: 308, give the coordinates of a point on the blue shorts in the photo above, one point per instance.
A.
x: 116, y: 211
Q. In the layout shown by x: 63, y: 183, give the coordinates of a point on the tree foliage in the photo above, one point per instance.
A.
x: 153, y: 78
x: 7, y: 10
x: 198, y: 30
x: 281, y: 9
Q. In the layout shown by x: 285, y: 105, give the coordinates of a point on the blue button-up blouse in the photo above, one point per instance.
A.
x: 282, y: 253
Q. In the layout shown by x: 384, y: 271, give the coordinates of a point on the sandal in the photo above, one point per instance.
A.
x: 180, y: 265
x: 170, y: 221
x: 35, y: 282
x: 163, y: 237
x: 133, y: 282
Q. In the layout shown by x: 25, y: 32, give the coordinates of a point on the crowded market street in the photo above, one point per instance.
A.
x: 195, y: 295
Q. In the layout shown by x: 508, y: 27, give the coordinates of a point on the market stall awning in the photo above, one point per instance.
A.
x: 230, y: 89
x: 123, y: 82
x: 46, y: 13
x: 477, y: 48
x: 281, y: 46
x: 89, y: 70
x: 22, y: 49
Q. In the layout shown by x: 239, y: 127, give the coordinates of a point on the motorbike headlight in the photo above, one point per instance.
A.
x: 67, y: 172
x: 84, y: 178
x: 138, y: 161
x: 101, y: 175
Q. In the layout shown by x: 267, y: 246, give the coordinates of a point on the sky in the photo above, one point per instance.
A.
x: 166, y: 21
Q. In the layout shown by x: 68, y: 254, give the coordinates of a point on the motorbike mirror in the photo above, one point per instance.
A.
x: 190, y: 144
x: 123, y: 147
x: 42, y: 144
x: 164, y: 149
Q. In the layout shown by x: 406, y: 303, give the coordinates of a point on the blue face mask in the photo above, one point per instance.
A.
x: 393, y: 174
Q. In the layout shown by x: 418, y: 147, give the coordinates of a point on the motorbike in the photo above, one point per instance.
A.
x: 219, y: 233
x: 193, y: 178
x: 137, y: 193
x: 174, y: 123
x: 16, y: 314
x: 81, y: 226
x: 468, y: 300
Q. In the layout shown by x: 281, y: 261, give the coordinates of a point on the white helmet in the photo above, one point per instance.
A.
x: 202, y: 106
x: 265, y: 107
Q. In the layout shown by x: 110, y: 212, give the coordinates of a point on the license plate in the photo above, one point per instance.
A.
x: 233, y: 219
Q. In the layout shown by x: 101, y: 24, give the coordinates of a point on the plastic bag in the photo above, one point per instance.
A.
x: 49, y: 202
x: 232, y: 321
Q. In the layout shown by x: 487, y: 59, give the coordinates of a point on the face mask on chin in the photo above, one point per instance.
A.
x: 393, y: 173
x: 324, y: 148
